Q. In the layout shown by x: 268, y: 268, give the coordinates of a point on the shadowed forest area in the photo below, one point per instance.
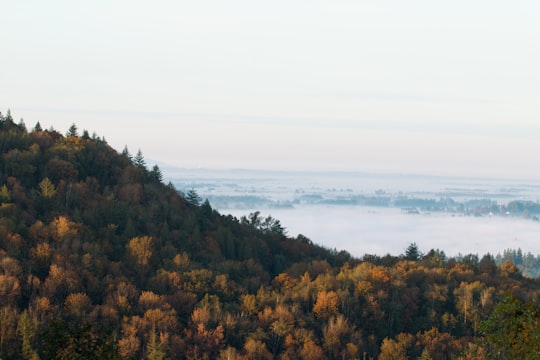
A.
x: 99, y: 259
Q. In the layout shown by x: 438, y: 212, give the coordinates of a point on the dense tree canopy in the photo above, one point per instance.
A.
x: 99, y: 259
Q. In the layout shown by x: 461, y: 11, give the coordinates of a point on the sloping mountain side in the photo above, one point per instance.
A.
x: 101, y: 260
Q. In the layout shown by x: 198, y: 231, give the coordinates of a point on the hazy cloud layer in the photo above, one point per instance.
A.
x: 361, y: 230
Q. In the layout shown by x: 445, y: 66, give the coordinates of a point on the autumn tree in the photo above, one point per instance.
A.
x: 140, y: 249
x: 47, y: 189
x: 467, y: 296
x: 256, y: 350
x: 5, y: 195
x: 77, y: 305
x: 10, y: 289
x: 311, y: 351
x: 395, y: 349
x: 336, y: 334
x: 205, y: 343
x: 326, y: 304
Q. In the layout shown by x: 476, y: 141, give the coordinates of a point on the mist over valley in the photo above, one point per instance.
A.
x: 364, y: 213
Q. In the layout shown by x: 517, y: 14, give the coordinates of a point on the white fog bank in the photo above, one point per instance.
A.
x: 363, y: 230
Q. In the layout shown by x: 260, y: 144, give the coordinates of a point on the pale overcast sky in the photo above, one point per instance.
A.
x: 433, y: 87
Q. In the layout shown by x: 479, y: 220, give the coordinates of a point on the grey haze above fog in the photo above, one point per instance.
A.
x: 318, y: 205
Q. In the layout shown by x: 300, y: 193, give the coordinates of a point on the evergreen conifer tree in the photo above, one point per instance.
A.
x: 72, y: 131
x: 412, y: 252
x: 138, y: 160
x: 126, y: 153
x: 193, y: 198
x: 156, y: 173
x: 22, y: 125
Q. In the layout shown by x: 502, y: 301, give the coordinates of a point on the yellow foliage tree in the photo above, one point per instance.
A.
x: 78, y: 304
x: 326, y: 304
x: 5, y: 195
x: 62, y: 228
x: 140, y: 248
x: 256, y: 350
x: 311, y: 351
x: 47, y: 189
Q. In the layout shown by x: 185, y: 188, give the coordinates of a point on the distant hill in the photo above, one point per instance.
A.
x: 101, y: 260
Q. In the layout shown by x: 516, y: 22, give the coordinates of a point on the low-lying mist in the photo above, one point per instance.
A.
x: 363, y: 230
x: 381, y: 214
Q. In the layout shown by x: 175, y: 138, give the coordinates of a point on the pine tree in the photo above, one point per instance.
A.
x: 38, y: 127
x: 126, y: 153
x: 138, y: 160
x: 22, y: 125
x: 193, y: 198
x: 8, y: 116
x: 72, y: 131
x: 412, y: 252
x: 156, y: 173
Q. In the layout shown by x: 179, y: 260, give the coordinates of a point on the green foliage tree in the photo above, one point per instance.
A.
x: 512, y: 330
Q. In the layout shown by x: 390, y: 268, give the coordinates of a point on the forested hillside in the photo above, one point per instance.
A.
x: 101, y: 260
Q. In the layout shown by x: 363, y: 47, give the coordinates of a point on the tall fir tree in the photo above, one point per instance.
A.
x: 138, y: 160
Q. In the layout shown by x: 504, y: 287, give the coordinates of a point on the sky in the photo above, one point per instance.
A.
x: 420, y: 86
